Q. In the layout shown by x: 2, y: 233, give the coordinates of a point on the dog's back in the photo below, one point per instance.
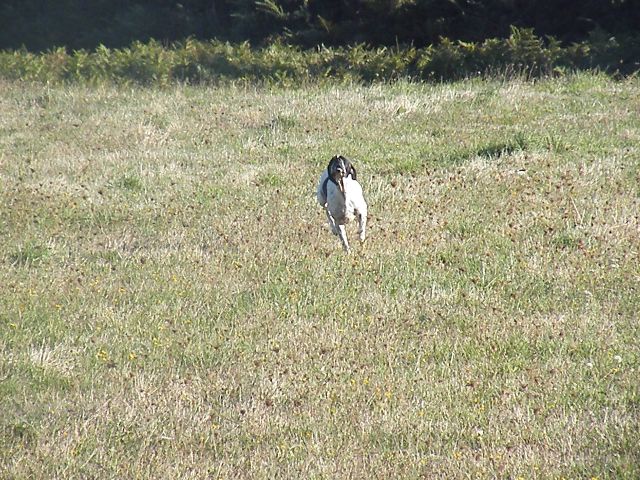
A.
x: 321, y: 191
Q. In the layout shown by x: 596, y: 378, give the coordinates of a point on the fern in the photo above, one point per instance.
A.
x: 272, y: 8
x: 193, y: 61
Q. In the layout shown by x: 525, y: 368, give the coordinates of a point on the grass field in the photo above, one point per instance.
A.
x: 173, y: 305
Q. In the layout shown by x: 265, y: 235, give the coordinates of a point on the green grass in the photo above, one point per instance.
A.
x: 173, y: 304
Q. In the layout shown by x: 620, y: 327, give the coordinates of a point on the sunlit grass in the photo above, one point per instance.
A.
x: 173, y: 304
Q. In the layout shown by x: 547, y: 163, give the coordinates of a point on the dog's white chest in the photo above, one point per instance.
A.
x: 342, y: 214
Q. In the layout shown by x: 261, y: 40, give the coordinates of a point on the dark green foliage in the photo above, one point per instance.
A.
x: 155, y: 42
x: 193, y: 61
x: 40, y: 25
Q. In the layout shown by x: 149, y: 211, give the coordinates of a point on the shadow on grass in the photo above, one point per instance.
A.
x: 460, y: 155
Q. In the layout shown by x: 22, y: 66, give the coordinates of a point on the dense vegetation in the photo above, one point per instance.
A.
x: 197, y: 62
x: 77, y: 24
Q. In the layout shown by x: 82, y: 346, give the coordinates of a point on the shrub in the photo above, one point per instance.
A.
x: 192, y: 61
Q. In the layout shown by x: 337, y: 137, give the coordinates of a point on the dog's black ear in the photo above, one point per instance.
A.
x: 332, y: 163
x: 351, y: 170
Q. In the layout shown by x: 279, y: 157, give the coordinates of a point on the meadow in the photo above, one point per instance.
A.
x: 173, y: 304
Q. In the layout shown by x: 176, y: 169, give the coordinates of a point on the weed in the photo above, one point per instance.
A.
x: 31, y: 253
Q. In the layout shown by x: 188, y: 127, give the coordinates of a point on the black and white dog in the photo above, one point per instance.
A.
x: 341, y: 196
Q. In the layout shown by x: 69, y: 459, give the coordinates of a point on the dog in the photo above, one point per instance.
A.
x: 341, y: 196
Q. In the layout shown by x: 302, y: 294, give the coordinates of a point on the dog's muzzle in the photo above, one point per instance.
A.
x: 340, y: 179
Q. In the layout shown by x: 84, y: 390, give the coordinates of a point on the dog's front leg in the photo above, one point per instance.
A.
x: 332, y: 222
x: 342, y: 233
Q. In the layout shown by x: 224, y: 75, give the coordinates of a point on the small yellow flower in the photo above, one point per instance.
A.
x: 102, y: 354
x: 132, y: 355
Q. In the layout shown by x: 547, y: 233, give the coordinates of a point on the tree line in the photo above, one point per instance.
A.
x: 41, y: 25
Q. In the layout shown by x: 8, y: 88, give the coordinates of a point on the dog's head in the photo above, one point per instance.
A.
x: 339, y: 168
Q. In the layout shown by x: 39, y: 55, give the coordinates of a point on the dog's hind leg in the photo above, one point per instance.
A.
x: 362, y: 225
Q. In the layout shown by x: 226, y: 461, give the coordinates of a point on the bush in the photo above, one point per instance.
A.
x: 192, y: 61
